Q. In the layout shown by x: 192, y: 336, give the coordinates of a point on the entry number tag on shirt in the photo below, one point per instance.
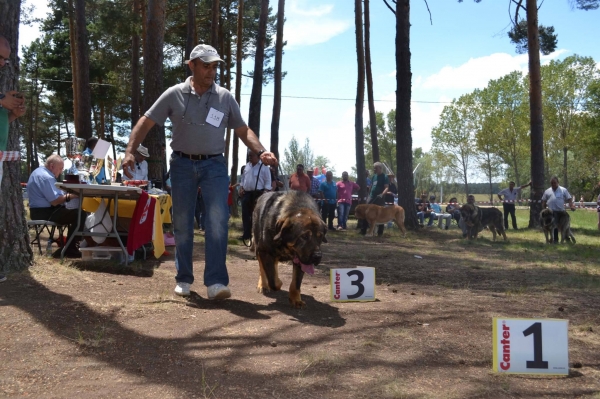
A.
x: 531, y: 346
x: 214, y: 117
x: 353, y: 284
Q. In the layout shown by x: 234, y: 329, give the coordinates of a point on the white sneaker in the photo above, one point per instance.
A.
x: 182, y: 289
x: 218, y: 291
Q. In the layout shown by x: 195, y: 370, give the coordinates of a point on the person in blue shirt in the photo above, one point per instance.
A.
x: 89, y: 148
x: 47, y: 202
x: 328, y: 195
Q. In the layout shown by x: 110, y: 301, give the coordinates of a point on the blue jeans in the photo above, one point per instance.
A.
x: 211, y: 176
x: 421, y: 216
x: 343, y: 212
x: 200, y: 212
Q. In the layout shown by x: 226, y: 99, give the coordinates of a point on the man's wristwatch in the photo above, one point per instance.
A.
x: 260, y: 153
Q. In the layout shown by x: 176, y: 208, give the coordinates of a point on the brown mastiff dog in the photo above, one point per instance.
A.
x: 375, y: 214
x: 286, y: 226
x: 477, y: 218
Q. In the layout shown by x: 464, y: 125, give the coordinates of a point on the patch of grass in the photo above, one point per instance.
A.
x: 322, y: 361
x: 206, y: 389
x: 520, y: 290
x: 94, y: 339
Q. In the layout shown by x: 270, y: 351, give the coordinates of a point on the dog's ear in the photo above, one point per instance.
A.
x: 281, y: 225
x: 324, y: 231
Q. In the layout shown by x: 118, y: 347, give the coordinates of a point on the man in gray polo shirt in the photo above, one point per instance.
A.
x: 200, y: 112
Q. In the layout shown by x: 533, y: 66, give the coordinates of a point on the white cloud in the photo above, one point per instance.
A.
x: 307, y: 26
x: 298, y: 7
x: 477, y: 72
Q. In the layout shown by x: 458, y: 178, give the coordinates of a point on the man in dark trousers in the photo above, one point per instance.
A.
x: 508, y: 203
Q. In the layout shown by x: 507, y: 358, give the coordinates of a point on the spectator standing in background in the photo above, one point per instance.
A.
x: 299, y: 181
x: 508, y: 203
x: 328, y: 193
x: 345, y: 188
x: 379, y: 188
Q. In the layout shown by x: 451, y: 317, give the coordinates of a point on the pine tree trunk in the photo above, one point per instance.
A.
x: 153, y: 82
x: 227, y: 82
x: 359, y: 134
x: 372, y: 116
x: 259, y: 59
x: 565, y: 182
x: 73, y: 47
x: 214, y: 25
x: 239, y: 53
x: 84, y: 99
x: 15, y: 251
x: 135, y: 67
x: 404, y: 164
x: 277, y: 81
x: 535, y: 110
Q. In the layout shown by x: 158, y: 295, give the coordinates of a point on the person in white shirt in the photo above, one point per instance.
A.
x: 256, y: 179
x: 555, y: 198
x: 140, y: 170
x: 508, y: 203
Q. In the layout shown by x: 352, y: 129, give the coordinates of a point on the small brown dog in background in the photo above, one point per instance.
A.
x: 375, y: 214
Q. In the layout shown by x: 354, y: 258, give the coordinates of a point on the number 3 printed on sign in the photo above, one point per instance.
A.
x: 353, y: 284
x: 359, y: 278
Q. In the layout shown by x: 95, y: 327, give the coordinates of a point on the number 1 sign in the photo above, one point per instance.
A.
x: 530, y: 346
x: 353, y: 284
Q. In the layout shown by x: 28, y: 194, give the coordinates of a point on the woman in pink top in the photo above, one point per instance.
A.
x: 345, y: 189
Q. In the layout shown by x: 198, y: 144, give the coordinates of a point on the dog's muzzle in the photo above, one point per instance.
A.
x: 315, y: 258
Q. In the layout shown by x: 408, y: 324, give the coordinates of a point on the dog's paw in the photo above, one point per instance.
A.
x: 262, y: 289
x: 278, y: 285
x: 297, y: 302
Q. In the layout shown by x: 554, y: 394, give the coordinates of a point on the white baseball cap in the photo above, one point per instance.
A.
x: 206, y: 53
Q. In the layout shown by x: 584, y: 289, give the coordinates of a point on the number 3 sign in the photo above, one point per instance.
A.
x: 353, y: 284
x: 530, y: 346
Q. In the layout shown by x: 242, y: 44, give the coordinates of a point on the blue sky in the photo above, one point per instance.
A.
x: 465, y: 47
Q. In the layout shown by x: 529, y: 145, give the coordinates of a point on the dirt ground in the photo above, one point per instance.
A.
x: 99, y: 330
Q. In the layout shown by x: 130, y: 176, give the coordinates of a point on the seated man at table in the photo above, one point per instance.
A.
x: 140, y: 171
x: 46, y: 202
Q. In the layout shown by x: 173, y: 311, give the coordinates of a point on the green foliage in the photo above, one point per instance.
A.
x: 518, y: 36
x: 454, y: 137
x: 504, y: 129
x: 47, y: 74
x: 294, y: 155
x: 386, y: 139
x: 565, y: 88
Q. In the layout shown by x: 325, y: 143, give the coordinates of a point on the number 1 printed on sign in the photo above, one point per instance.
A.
x: 520, y: 348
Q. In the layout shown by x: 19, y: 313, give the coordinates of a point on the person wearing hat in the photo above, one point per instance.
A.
x: 140, y: 170
x: 200, y: 111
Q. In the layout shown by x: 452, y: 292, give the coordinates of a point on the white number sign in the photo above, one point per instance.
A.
x: 353, y: 284
x: 531, y: 346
